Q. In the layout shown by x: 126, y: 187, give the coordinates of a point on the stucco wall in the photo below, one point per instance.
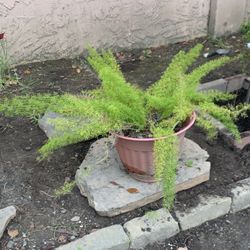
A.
x: 48, y: 29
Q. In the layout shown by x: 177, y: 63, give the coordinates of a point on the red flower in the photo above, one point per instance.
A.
x: 1, y: 36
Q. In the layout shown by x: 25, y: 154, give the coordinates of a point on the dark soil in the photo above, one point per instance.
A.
x: 243, y: 121
x: 44, y: 221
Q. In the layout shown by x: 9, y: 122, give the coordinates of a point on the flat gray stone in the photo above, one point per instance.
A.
x: 235, y: 82
x: 241, y: 195
x: 46, y: 124
x: 209, y: 208
x: 103, y: 180
x: 155, y: 226
x: 113, y: 238
x: 6, y: 215
x: 219, y: 84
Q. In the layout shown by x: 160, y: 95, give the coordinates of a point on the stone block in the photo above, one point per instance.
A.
x: 113, y: 238
x: 235, y: 83
x: 155, y: 226
x: 220, y: 84
x: 209, y: 208
x: 241, y: 195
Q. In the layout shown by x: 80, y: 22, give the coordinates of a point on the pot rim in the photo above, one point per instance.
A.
x: 183, y: 130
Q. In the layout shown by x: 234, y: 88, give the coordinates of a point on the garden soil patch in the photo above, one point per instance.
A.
x: 44, y: 221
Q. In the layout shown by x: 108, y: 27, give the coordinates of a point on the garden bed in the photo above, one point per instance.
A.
x: 44, y: 221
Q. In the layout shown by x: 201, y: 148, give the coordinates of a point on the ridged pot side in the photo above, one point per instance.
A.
x: 136, y: 154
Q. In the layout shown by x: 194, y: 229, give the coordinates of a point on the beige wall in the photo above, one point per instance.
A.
x: 48, y: 29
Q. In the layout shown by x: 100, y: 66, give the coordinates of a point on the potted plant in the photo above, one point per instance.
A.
x: 161, y: 114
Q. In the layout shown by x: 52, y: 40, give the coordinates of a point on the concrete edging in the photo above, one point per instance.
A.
x: 159, y: 225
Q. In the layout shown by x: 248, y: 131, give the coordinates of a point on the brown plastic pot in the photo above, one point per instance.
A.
x: 136, y: 154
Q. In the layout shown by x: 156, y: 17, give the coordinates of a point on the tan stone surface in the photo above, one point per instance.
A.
x: 102, y: 179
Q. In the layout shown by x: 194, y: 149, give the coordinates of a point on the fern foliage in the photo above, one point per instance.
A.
x: 118, y: 105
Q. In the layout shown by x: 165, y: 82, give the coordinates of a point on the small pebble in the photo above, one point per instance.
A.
x: 10, y: 244
x: 75, y: 218
x: 27, y: 148
x: 72, y: 237
x: 63, y: 211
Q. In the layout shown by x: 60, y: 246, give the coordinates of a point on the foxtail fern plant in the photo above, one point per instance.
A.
x: 118, y: 105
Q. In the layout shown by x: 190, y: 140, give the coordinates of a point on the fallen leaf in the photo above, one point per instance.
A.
x: 133, y: 190
x: 27, y: 72
x: 62, y: 239
x: 13, y: 233
x: 182, y: 248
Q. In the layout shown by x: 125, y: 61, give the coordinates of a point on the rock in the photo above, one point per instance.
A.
x: 103, y: 180
x: 72, y: 238
x: 75, y: 218
x: 209, y: 208
x: 46, y: 124
x: 241, y: 195
x: 63, y: 211
x: 10, y: 244
x: 112, y: 237
x: 155, y: 226
x: 6, y: 215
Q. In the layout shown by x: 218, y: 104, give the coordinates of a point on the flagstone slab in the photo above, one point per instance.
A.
x: 110, y: 190
x: 6, y: 215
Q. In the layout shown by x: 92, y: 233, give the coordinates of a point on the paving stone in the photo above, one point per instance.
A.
x: 6, y: 215
x: 235, y: 82
x: 209, y: 208
x: 220, y: 84
x: 155, y: 226
x: 103, y: 180
x: 241, y: 195
x: 112, y: 237
x: 46, y: 123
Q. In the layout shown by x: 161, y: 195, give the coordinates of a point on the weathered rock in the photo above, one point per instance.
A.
x: 155, y: 226
x: 103, y: 180
x: 46, y: 123
x: 219, y: 84
x: 241, y: 195
x: 6, y: 215
x: 208, y: 209
x: 113, y: 238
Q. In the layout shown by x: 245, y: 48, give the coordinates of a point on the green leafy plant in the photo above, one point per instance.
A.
x: 66, y: 188
x: 245, y: 30
x: 117, y: 105
x: 218, y: 42
x: 189, y: 163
